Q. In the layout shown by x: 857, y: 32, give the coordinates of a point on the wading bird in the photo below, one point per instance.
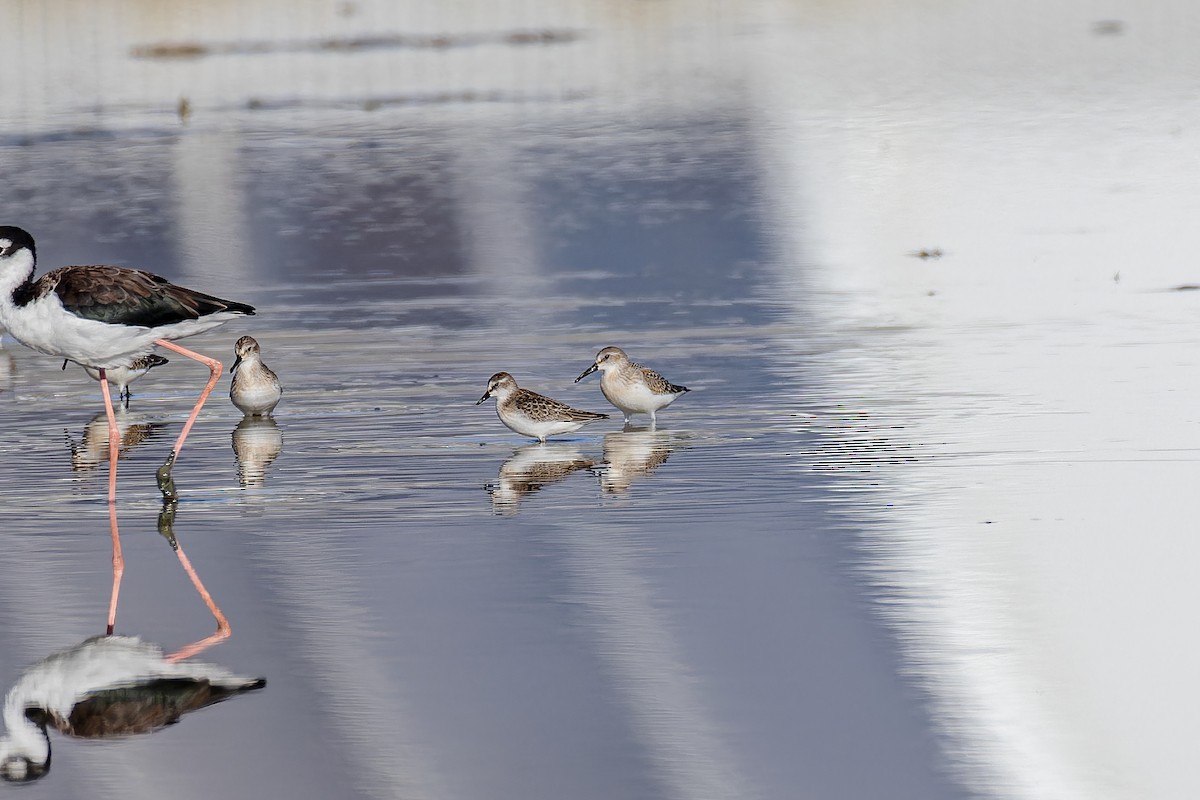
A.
x: 106, y: 317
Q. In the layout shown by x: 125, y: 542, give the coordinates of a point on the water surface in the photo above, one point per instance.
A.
x: 906, y: 536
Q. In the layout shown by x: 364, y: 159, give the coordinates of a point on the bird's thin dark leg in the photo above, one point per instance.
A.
x: 166, y: 483
x: 166, y: 523
x: 118, y: 565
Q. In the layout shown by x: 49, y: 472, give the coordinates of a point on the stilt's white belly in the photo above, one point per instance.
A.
x: 47, y: 327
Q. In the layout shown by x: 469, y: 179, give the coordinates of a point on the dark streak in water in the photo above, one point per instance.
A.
x: 352, y: 44
x: 428, y: 99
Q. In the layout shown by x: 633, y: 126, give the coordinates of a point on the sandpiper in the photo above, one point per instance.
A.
x: 529, y: 413
x: 631, y: 387
x: 255, y: 389
x: 106, y: 317
x: 121, y: 377
x: 104, y: 687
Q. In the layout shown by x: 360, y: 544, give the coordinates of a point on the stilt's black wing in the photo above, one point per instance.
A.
x: 122, y: 296
x: 142, y: 709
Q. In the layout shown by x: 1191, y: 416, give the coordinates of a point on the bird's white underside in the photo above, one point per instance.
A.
x: 47, y: 327
x: 539, y: 429
x: 633, y: 397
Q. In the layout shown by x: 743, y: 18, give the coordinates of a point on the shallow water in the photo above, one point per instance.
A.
x: 918, y: 530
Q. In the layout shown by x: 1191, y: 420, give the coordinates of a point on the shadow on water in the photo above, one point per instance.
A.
x: 113, y: 685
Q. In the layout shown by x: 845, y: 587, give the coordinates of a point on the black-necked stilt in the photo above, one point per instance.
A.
x: 121, y: 377
x: 106, y: 686
x: 106, y: 317
x: 255, y: 388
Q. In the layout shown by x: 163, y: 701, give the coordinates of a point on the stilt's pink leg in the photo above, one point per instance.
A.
x: 165, y: 483
x: 165, y: 527
x: 118, y: 564
x: 114, y: 438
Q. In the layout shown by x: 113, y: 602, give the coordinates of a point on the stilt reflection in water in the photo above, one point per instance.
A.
x: 92, y: 448
x: 104, y: 687
x: 113, y: 685
x: 633, y: 453
x: 530, y: 468
x: 257, y: 441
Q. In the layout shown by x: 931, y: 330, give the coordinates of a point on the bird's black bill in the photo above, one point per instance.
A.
x: 65, y: 363
x: 237, y: 360
x: 587, y: 372
x: 486, y: 395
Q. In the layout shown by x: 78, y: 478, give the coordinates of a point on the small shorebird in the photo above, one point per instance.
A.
x: 631, y: 387
x: 255, y: 389
x: 529, y: 413
x: 121, y: 377
x: 106, y: 317
x: 106, y: 686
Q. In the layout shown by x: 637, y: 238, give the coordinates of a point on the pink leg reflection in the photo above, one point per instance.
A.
x: 166, y: 522
x: 118, y: 563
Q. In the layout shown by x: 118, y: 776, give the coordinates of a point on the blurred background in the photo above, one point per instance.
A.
x: 921, y: 529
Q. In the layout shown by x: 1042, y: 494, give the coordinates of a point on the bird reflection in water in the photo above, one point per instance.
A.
x: 530, y: 468
x: 8, y: 370
x: 113, y: 685
x: 633, y: 453
x: 92, y: 449
x: 257, y: 441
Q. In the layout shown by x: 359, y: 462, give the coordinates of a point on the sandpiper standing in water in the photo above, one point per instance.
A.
x: 255, y: 389
x: 631, y: 387
x: 121, y: 377
x: 529, y: 413
x: 106, y: 317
